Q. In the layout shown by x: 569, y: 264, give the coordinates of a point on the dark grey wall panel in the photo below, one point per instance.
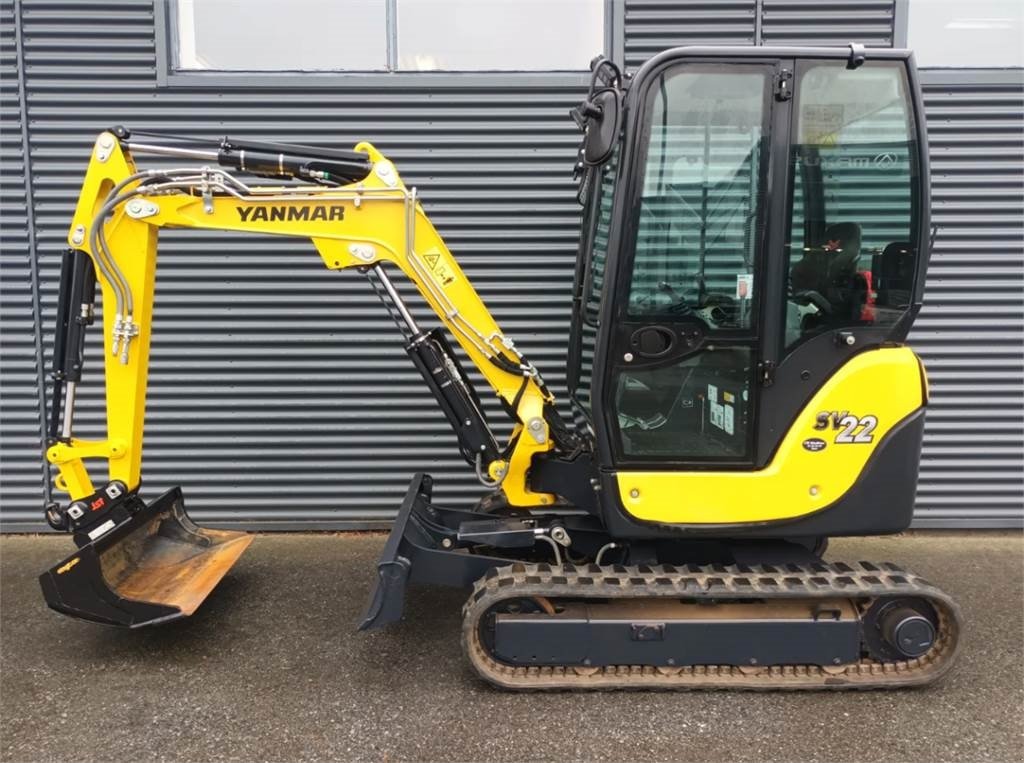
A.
x: 651, y: 26
x: 816, y: 23
x: 281, y: 395
x: 21, y: 471
x: 654, y: 25
x: 971, y: 331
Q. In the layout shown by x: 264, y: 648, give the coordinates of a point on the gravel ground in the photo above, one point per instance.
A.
x: 271, y: 668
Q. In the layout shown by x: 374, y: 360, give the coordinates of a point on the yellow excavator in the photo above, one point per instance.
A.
x: 755, y: 238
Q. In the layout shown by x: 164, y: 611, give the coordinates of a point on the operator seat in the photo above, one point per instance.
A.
x: 830, y: 269
x: 894, y: 275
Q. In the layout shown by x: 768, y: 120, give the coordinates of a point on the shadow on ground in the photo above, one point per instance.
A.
x: 271, y: 668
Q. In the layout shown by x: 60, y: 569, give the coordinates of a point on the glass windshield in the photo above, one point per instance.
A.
x: 853, y: 227
x: 697, y: 233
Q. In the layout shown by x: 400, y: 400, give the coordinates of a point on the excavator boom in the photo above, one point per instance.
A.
x: 141, y: 564
x: 369, y: 222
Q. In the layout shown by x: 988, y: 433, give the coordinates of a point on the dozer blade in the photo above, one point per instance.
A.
x: 155, y: 566
x: 414, y: 554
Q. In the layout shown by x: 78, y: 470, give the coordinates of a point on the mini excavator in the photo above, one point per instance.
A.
x: 755, y: 239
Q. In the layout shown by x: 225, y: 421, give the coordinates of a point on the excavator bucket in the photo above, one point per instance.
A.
x: 155, y: 566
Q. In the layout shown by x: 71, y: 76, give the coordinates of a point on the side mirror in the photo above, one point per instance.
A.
x: 602, y: 130
x: 600, y: 115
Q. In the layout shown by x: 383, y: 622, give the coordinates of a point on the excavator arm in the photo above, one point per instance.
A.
x: 366, y: 222
x: 142, y: 563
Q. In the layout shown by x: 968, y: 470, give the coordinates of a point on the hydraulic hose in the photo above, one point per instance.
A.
x: 108, y: 267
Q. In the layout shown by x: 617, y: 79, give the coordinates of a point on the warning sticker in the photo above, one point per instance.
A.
x: 820, y: 124
x: 744, y: 286
x: 716, y: 415
x: 438, y: 267
x: 729, y: 397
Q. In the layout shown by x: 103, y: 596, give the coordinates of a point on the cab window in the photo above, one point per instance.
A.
x: 697, y: 234
x: 852, y: 246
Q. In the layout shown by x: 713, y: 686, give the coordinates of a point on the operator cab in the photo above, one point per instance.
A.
x: 761, y: 219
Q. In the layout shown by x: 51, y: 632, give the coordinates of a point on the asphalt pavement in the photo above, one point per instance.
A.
x: 272, y: 669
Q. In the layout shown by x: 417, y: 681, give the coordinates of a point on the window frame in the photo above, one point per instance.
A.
x: 168, y: 75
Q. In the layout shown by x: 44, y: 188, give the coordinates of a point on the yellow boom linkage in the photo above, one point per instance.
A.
x: 359, y: 225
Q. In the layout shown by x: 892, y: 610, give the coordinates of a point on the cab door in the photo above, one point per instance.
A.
x: 845, y: 251
x: 680, y: 348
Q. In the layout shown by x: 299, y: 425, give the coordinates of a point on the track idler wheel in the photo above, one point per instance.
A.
x: 900, y: 629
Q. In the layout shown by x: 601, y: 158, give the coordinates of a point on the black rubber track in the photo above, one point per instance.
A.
x: 862, y: 582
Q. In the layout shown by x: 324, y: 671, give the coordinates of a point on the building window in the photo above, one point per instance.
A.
x: 957, y: 33
x: 388, y: 35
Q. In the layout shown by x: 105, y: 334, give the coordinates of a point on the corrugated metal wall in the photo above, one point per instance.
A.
x: 814, y: 23
x: 651, y: 26
x: 21, y: 471
x: 654, y: 25
x: 971, y: 331
x: 280, y: 394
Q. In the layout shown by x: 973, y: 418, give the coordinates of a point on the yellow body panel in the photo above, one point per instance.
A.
x: 885, y: 383
x: 377, y: 220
